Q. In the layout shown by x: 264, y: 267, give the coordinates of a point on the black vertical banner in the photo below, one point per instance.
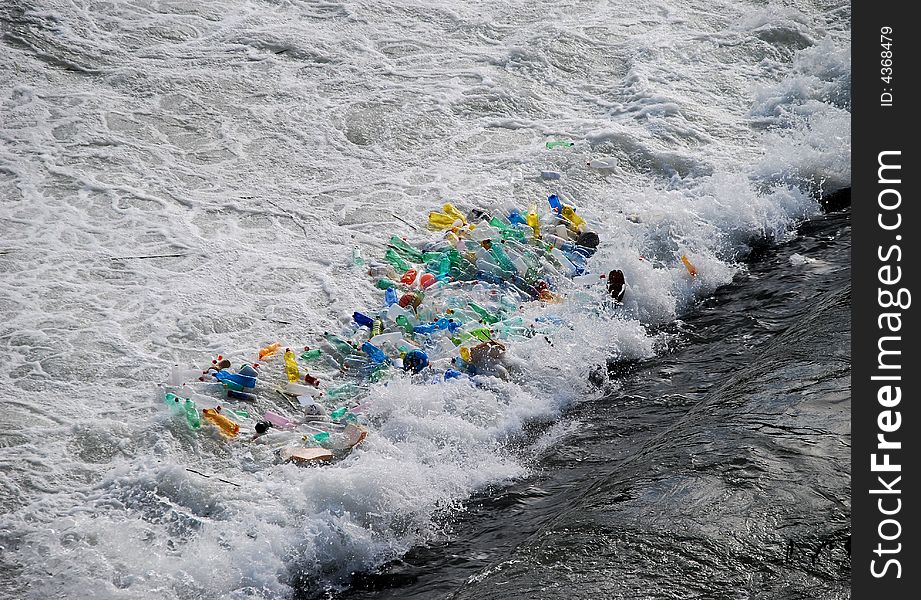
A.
x: 886, y: 372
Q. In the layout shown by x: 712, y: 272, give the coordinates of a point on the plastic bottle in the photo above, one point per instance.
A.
x: 404, y: 323
x: 226, y: 426
x: 398, y: 263
x: 408, y: 277
x: 178, y: 375
x: 549, y: 175
x: 377, y: 328
x: 191, y: 414
x: 339, y: 345
x: 247, y: 371
x: 311, y: 354
x: 439, y: 221
x: 415, y: 360
x: 297, y: 389
x: 410, y: 299
x: 363, y: 320
x: 357, y: 260
x: 346, y: 390
x: 533, y: 221
x: 269, y: 350
x: 243, y: 380
x: 175, y: 404
x: 450, y: 210
x: 316, y: 438
x: 426, y: 280
x: 391, y: 297
x: 577, y: 222
x: 555, y: 203
x: 559, y: 144
x: 692, y: 270
x: 602, y: 163
x: 338, y: 413
x: 452, y: 374
x: 245, y: 396
x: 311, y: 380
x: 375, y: 353
x: 278, y: 421
x: 385, y: 284
x: 291, y: 370
x: 485, y: 315
x: 404, y: 249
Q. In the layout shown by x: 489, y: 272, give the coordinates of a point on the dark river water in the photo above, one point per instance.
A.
x: 720, y: 469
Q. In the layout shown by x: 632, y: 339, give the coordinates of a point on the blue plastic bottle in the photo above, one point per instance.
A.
x: 375, y: 353
x: 247, y: 382
x: 415, y: 360
x: 555, y: 204
x: 391, y: 297
x: 363, y: 320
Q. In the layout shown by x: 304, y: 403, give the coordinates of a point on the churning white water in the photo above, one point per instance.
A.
x: 180, y: 179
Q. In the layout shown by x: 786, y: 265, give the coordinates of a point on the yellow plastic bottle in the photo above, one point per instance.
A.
x: 577, y: 223
x: 439, y: 221
x: 450, y: 210
x: 534, y: 221
x: 291, y: 370
x: 227, y: 427
x: 687, y: 265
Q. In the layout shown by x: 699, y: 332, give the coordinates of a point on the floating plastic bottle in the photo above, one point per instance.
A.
x: 485, y: 315
x: 450, y: 210
x: 398, y: 263
x: 338, y: 413
x: 410, y: 299
x: 569, y: 213
x: 311, y: 354
x: 363, y: 320
x: 245, y: 396
x: 378, y: 327
x: 243, y: 380
x: 555, y: 204
x: 391, y: 297
x: 404, y: 323
x: 439, y: 221
x: 415, y: 361
x: 291, y: 370
x: 339, y: 344
x: 385, y: 284
x: 452, y: 374
x: 226, y: 426
x: 346, y: 390
x: 426, y: 280
x: 357, y: 260
x: 375, y: 353
x: 404, y: 249
x: 316, y: 438
x: 248, y: 371
x: 692, y: 270
x: 269, y: 350
x: 533, y: 221
x: 559, y: 144
x: 311, y: 380
x: 191, y: 414
x: 278, y: 421
x: 408, y: 277
x: 549, y: 175
x: 602, y: 163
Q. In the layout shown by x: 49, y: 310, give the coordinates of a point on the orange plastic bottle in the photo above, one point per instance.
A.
x: 687, y: 265
x: 227, y: 427
x: 269, y: 350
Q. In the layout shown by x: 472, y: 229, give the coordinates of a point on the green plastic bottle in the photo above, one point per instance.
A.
x: 384, y: 284
x: 403, y: 322
x: 317, y: 438
x: 559, y: 144
x: 191, y: 414
x: 485, y: 315
x: 398, y: 263
x: 311, y: 354
x: 345, y: 390
x: 338, y: 413
x: 405, y: 250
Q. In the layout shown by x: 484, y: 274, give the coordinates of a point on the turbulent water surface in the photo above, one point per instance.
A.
x: 180, y: 179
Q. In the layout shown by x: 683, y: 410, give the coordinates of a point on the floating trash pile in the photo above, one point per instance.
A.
x: 451, y: 307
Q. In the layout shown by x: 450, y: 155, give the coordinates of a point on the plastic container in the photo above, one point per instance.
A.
x: 224, y: 425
